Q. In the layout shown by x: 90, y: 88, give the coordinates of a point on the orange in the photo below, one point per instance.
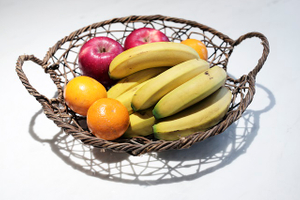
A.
x: 107, y: 119
x: 198, y: 46
x: 81, y: 92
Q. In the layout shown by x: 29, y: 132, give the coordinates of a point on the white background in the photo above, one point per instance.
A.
x: 256, y: 158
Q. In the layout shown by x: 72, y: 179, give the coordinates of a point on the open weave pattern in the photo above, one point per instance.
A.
x: 61, y: 63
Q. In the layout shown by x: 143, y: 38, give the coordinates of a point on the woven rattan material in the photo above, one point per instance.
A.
x: 60, y: 62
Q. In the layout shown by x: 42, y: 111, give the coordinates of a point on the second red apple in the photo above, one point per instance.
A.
x: 143, y: 36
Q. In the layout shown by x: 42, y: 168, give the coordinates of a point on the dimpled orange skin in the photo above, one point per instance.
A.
x: 108, y: 119
x: 198, y: 46
x: 81, y: 92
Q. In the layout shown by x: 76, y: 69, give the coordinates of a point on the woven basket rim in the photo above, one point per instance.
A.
x: 137, y: 148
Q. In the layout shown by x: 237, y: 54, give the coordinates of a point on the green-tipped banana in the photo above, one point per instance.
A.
x: 133, y: 80
x: 140, y: 124
x: 198, y: 117
x: 190, y: 92
x: 126, y: 97
x: 154, y: 90
x: 156, y: 54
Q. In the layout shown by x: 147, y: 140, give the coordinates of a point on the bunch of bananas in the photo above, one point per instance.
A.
x: 168, y: 90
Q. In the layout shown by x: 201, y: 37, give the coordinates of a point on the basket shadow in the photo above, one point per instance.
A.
x: 163, y: 167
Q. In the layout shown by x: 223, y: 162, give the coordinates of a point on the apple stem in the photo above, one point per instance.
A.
x: 102, y: 50
x: 147, y: 39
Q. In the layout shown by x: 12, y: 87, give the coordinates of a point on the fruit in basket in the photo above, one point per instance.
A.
x: 81, y: 92
x: 190, y: 92
x: 96, y: 55
x: 133, y: 80
x: 144, y: 35
x: 148, y: 95
x: 157, y: 54
x: 198, y: 117
x: 107, y: 119
x: 198, y: 46
x: 140, y: 124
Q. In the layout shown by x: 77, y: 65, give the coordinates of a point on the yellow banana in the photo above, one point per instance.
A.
x: 198, y: 117
x: 190, y: 92
x: 150, y: 93
x: 156, y: 54
x: 133, y: 80
x: 140, y: 124
x: 126, y: 97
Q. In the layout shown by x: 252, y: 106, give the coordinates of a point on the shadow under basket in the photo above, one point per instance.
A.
x: 61, y: 63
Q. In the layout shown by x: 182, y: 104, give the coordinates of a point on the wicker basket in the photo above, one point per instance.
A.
x: 60, y: 62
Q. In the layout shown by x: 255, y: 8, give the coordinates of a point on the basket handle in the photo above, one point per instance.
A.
x: 265, y: 53
x: 19, y: 69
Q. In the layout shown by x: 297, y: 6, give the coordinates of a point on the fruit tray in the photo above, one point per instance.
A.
x: 61, y: 64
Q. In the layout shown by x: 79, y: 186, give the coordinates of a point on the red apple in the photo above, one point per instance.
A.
x: 95, y: 57
x: 143, y: 36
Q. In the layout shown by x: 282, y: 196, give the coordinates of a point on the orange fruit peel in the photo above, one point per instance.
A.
x: 107, y: 119
x: 198, y: 46
x: 81, y: 92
